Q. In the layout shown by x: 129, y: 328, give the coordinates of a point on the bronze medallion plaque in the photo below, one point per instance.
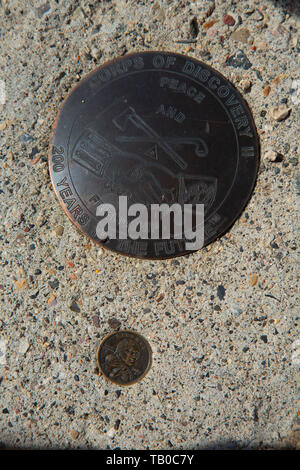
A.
x: 158, y: 128
x: 124, y: 357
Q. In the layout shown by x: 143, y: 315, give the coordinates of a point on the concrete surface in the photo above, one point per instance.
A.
x: 222, y: 322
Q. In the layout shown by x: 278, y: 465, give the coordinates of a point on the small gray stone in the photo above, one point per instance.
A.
x: 74, y: 307
x: 54, y: 284
x: 96, y: 321
x: 241, y: 35
x: 278, y: 37
x: 239, y: 60
x: 295, y: 91
x: 42, y: 10
x: 3, y: 347
x: 23, y: 346
x: 236, y: 310
x: 221, y: 292
x: 297, y: 184
x: 26, y: 138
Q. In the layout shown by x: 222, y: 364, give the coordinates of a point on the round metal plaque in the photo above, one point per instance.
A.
x: 158, y: 128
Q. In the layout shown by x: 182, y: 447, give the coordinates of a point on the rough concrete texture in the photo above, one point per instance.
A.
x: 222, y: 321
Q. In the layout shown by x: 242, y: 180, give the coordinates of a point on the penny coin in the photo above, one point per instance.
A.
x: 124, y: 357
x: 153, y: 128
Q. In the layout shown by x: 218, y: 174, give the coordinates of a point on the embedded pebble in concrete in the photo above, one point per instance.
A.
x: 222, y: 322
x: 279, y: 113
x: 271, y: 155
x: 3, y: 349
